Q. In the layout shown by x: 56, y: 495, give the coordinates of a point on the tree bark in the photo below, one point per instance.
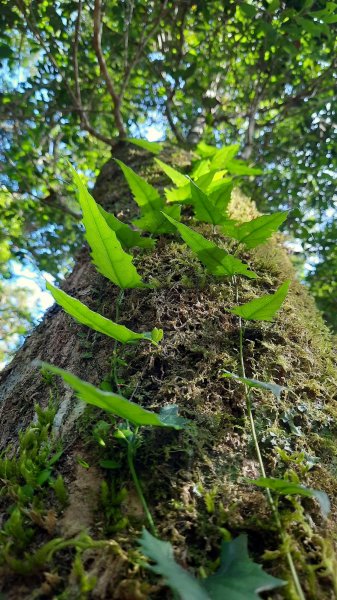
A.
x: 192, y: 479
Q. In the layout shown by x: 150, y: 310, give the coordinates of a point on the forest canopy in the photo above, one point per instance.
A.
x: 77, y: 78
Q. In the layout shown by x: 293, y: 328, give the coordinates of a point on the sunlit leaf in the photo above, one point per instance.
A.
x: 216, y: 260
x: 220, y: 194
x: 110, y: 402
x: 206, y: 150
x: 264, y: 308
x: 144, y: 193
x: 95, y: 321
x: 127, y: 236
x: 204, y: 210
x: 153, y: 147
x: 274, y: 388
x: 256, y: 231
x: 178, y: 178
x: 223, y: 156
x: 239, y: 167
x: 106, y: 250
x: 290, y: 488
x: 150, y: 203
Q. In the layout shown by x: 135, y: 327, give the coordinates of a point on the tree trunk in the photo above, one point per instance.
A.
x: 193, y: 480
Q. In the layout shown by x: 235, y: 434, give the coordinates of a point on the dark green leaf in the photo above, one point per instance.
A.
x: 177, y: 578
x: 238, y: 577
x: 204, y: 210
x: 109, y: 464
x: 150, y: 203
x: 169, y: 414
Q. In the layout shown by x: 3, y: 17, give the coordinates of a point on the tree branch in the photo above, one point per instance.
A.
x: 84, y: 120
x: 97, y: 42
x: 142, y: 44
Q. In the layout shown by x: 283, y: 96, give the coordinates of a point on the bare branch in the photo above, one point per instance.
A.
x: 97, y: 42
x: 179, y: 136
x: 84, y: 119
x: 75, y: 55
x: 145, y: 38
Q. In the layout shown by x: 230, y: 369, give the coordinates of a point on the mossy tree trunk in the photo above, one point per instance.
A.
x: 193, y: 480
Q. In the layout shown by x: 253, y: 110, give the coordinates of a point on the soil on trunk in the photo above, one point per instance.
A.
x: 56, y: 487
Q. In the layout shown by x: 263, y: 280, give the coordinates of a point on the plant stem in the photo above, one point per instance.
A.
x: 131, y: 454
x: 114, y: 369
x: 271, y: 500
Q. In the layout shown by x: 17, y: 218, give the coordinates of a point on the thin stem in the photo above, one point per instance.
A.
x: 271, y: 500
x: 131, y: 454
x: 114, y: 365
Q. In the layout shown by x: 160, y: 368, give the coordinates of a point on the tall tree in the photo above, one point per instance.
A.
x: 97, y: 77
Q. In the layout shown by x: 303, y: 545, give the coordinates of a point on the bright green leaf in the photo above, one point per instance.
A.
x: 150, y: 203
x: 220, y: 194
x: 216, y: 260
x: 206, y: 150
x: 223, y: 156
x: 289, y: 488
x: 127, y: 236
x: 106, y: 251
x: 264, y: 308
x: 239, y: 167
x: 95, y: 321
x: 178, y: 178
x: 255, y: 383
x: 181, y: 194
x: 154, y: 147
x: 144, y: 193
x: 154, y: 222
x: 112, y: 403
x: 204, y: 210
x: 256, y: 231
